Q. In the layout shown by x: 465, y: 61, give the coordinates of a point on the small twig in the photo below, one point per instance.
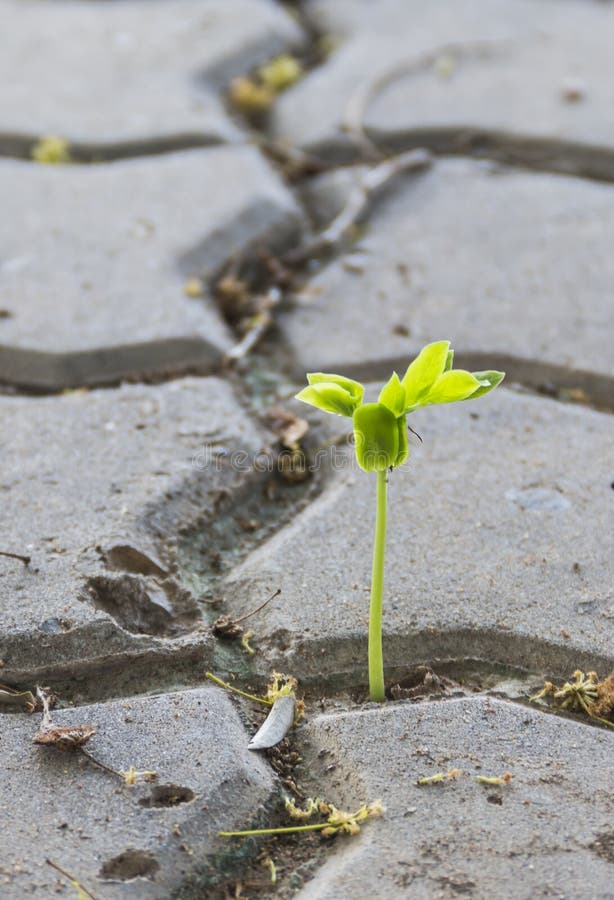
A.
x: 43, y: 696
x: 262, y: 321
x: 357, y: 204
x: 258, y: 608
x: 288, y: 830
x: 337, y: 821
x: 77, y: 884
x: 24, y: 559
x: 325, y: 242
x: 235, y: 690
x: 295, y: 162
x: 102, y: 765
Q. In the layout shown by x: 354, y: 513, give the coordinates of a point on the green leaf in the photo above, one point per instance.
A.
x: 354, y: 388
x: 488, y: 381
x: 424, y: 372
x: 403, y: 451
x: 449, y: 361
x: 392, y: 395
x: 451, y: 386
x: 376, y: 435
x: 329, y: 397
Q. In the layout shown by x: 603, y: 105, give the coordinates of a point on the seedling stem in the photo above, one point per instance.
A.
x: 376, y: 659
x: 381, y: 444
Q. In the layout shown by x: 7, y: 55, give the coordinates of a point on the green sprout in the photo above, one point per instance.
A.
x: 380, y: 436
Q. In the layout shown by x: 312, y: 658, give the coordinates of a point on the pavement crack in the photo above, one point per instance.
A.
x: 523, y: 151
x: 40, y: 372
x: 22, y: 146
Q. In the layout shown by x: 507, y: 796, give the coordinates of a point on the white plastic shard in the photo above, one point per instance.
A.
x: 276, y: 725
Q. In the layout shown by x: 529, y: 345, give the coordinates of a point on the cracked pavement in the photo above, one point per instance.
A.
x: 141, y: 475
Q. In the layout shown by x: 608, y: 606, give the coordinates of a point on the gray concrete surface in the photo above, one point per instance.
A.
x: 121, y: 77
x: 548, y: 832
x: 523, y: 80
x: 133, y: 509
x: 526, y: 284
x: 95, y: 487
x: 62, y: 807
x: 129, y: 235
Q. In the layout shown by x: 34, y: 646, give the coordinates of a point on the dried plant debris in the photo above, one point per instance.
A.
x: 73, y: 738
x: 255, y: 95
x: 82, y: 892
x: 336, y: 821
x: 342, y: 229
x: 68, y: 738
x: 249, y: 97
x: 440, y: 777
x: 245, y: 642
x: 23, y: 700
x: 280, y: 73
x: 51, y: 150
x: 284, y: 760
x: 423, y: 682
x: 295, y: 164
x: 194, y: 287
x: 132, y: 777
x: 585, y: 692
x: 270, y: 865
x: 292, y: 464
x: 234, y: 298
x: 20, y: 556
x: 495, y: 780
x: 287, y: 428
x: 293, y: 467
x: 286, y: 709
x: 226, y: 627
x: 254, y: 327
x: 282, y: 685
x: 248, y: 293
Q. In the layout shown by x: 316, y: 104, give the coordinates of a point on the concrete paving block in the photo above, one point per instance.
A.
x: 153, y: 75
x: 129, y: 234
x: 548, y: 832
x: 498, y: 549
x: 521, y: 80
x: 120, y: 841
x: 95, y: 488
x: 514, y: 267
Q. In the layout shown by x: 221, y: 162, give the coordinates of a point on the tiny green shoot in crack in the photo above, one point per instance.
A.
x: 381, y: 445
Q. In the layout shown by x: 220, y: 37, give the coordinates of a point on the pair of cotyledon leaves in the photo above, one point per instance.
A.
x: 380, y: 429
